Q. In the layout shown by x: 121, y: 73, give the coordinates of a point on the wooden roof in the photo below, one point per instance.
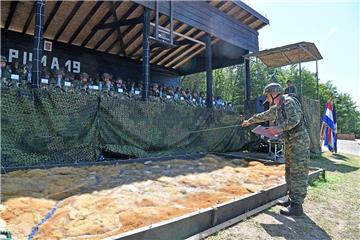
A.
x: 74, y: 22
x: 288, y: 54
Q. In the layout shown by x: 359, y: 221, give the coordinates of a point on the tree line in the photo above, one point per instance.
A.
x: 229, y: 84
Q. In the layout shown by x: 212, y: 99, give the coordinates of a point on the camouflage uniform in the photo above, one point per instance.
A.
x: 289, y: 120
x: 5, y: 72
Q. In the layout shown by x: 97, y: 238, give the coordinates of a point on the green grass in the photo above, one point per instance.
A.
x: 332, y: 205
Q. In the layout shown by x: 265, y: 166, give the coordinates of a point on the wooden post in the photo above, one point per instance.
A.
x: 209, y: 78
x: 247, y: 82
x: 38, y: 44
x: 146, y: 54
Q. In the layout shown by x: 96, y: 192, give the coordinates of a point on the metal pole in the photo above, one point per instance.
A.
x: 317, y: 81
x: 301, y: 84
x: 247, y: 81
x: 156, y: 19
x: 38, y: 44
x: 146, y: 53
x: 208, y: 59
x: 171, y: 22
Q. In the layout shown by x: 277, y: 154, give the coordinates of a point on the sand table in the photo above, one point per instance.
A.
x: 101, y: 201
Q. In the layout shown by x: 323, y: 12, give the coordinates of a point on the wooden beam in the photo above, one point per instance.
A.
x: 118, y: 31
x: 197, y: 14
x: 209, y: 78
x: 179, y: 27
x: 28, y: 20
x: 11, y: 14
x: 85, y: 21
x: 170, y: 57
x: 103, y: 20
x: 133, y: 39
x: 194, y: 54
x: 119, y: 23
x: 127, y: 30
x: 106, y: 36
x: 68, y: 19
x: 52, y: 14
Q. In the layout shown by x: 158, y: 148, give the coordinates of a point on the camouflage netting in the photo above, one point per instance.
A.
x: 44, y: 128
x: 311, y: 110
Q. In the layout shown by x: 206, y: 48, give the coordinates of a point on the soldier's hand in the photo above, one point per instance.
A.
x: 245, y: 123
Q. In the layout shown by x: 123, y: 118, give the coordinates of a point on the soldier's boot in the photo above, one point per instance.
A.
x: 283, y: 203
x: 293, y: 210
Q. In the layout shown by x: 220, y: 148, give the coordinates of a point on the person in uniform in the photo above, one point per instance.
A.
x: 83, y: 86
x: 291, y: 89
x: 5, y: 72
x: 286, y: 111
x: 46, y: 79
x: 107, y: 87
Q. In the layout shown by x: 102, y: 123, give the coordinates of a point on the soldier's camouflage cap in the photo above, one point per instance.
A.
x: 3, y: 59
x: 84, y: 75
x: 273, y: 88
x: 106, y: 75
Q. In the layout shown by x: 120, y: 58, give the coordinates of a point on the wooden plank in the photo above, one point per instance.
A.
x: 85, y: 21
x: 11, y: 13
x: 205, y: 17
x: 30, y: 17
x: 51, y: 16
x: 67, y: 20
x: 124, y: 17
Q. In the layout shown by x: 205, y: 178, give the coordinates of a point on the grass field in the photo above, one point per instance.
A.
x: 332, y: 208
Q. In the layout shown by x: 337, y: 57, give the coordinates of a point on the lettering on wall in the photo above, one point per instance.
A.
x: 54, y: 63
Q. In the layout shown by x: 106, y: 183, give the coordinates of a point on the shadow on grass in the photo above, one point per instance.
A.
x: 294, y: 228
x: 329, y: 165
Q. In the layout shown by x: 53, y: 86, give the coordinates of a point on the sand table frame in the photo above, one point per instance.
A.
x: 102, y: 201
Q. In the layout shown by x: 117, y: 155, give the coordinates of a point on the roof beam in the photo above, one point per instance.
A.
x: 106, y: 36
x: 120, y: 23
x: 68, y: 19
x: 133, y: 39
x: 85, y: 21
x: 11, y: 14
x: 287, y: 58
x: 127, y: 30
x: 195, y: 53
x: 52, y: 14
x: 28, y: 20
x: 118, y: 31
x: 93, y: 32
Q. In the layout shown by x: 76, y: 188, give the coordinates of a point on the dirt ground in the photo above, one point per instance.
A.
x: 101, y: 201
x: 332, y: 208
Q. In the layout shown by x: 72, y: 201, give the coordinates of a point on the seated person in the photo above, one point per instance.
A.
x: 119, y: 86
x: 83, y: 86
x: 108, y: 86
x: 291, y: 89
x: 219, y: 102
x: 58, y: 81
x: 5, y: 72
x: 195, y: 97
x: 45, y: 79
x: 202, y: 99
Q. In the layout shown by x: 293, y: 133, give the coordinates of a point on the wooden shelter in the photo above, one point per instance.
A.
x: 117, y: 28
x: 295, y: 53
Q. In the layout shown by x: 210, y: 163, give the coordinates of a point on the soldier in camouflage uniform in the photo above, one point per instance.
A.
x: 290, y: 124
x: 5, y: 72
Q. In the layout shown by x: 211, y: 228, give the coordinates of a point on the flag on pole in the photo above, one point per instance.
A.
x: 330, y: 130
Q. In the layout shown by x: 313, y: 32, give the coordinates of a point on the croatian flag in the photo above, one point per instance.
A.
x: 330, y: 129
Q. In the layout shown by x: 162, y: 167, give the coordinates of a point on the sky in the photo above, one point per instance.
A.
x: 334, y: 27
